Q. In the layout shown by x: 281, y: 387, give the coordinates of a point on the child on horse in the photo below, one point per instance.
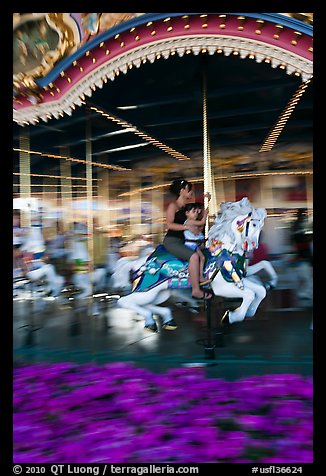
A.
x: 174, y: 240
x: 195, y: 241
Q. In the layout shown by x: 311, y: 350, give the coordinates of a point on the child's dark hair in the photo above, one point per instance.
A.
x: 192, y: 206
x: 177, y: 185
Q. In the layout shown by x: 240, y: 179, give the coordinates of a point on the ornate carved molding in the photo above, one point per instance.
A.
x: 195, y: 44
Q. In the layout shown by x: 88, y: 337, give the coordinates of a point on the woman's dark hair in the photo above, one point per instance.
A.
x: 178, y: 185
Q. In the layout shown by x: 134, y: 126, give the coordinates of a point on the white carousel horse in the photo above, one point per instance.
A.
x: 120, y: 278
x: 236, y: 231
x: 126, y: 267
x: 82, y: 278
x: 34, y: 250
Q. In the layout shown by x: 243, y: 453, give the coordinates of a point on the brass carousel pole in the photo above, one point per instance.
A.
x: 25, y: 177
x: 135, y: 206
x: 66, y: 191
x: 105, y: 217
x: 104, y: 193
x: 209, y: 186
x: 113, y: 204
x: 89, y: 177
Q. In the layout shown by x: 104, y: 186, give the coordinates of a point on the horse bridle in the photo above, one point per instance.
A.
x: 240, y: 226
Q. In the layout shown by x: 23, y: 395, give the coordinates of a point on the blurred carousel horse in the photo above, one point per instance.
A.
x: 34, y: 266
x: 126, y: 270
x: 78, y: 255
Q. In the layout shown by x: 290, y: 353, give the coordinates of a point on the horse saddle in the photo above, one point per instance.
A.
x: 161, y: 266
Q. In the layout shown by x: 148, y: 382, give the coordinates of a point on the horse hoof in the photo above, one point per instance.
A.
x: 225, y: 321
x: 151, y: 327
x: 170, y: 325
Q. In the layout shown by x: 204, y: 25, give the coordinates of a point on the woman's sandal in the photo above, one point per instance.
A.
x: 207, y: 295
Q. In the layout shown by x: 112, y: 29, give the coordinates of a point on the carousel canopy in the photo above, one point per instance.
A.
x: 145, y: 105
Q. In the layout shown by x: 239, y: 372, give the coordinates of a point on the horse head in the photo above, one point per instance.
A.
x: 237, y: 227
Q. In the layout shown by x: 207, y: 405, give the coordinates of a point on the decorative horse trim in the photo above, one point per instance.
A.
x: 159, y: 267
x: 242, y: 223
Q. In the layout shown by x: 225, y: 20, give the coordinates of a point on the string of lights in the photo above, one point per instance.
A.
x: 274, y: 133
x: 71, y: 159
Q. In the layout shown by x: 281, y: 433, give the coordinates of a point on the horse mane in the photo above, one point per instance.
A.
x: 228, y: 212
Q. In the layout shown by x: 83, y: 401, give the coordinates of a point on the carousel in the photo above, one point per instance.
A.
x: 108, y: 110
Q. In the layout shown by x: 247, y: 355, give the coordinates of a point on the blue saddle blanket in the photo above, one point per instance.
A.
x: 161, y: 266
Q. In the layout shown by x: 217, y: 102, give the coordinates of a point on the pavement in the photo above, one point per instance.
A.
x: 278, y: 339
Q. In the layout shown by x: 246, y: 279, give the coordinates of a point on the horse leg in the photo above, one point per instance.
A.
x: 266, y: 266
x: 163, y: 312
x: 98, y: 278
x: 36, y: 274
x: 224, y: 289
x: 47, y: 271
x: 126, y: 303
x: 260, y: 294
x: 139, y: 302
x: 162, y: 296
x: 83, y: 282
x: 239, y: 314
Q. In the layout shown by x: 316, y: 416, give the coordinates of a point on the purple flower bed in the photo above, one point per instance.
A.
x: 119, y: 413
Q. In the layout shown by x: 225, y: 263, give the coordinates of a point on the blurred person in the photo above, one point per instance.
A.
x: 300, y: 262
x: 302, y: 236
x: 78, y: 255
x: 196, y: 216
x: 18, y: 231
x: 174, y: 240
x: 55, y: 246
x: 57, y: 249
x: 301, y: 278
x: 19, y: 235
x: 35, y: 259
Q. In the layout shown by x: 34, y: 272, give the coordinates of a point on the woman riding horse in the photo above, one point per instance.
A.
x: 174, y: 239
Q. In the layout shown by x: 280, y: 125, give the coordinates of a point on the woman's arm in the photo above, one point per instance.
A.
x: 170, y: 214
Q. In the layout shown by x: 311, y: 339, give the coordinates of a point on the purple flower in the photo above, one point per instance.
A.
x: 120, y: 413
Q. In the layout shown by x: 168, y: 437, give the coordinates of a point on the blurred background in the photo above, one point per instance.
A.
x: 108, y: 109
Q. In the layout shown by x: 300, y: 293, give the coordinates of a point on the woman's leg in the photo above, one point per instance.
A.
x: 193, y: 269
x: 178, y: 249
x: 201, y: 265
